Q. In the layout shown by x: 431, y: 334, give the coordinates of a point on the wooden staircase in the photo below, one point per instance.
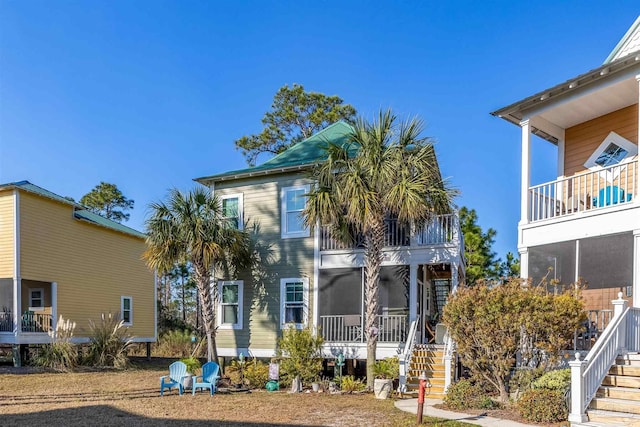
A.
x: 617, y: 401
x: 428, y: 358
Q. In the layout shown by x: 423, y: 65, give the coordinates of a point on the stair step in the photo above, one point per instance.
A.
x: 430, y: 374
x: 599, y: 418
x: 617, y: 405
x: 621, y: 381
x: 619, y: 393
x: 628, y: 370
x: 628, y: 359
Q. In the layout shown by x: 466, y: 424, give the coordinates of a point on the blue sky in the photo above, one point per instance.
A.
x: 151, y: 94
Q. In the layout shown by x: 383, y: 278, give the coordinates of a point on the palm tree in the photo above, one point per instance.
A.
x: 189, y: 227
x: 384, y: 170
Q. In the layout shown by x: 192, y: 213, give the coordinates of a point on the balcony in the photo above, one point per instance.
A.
x: 585, y: 192
x: 349, y: 328
x: 442, y: 229
x: 29, y: 322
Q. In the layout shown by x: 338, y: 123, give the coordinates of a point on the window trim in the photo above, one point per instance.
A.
x: 238, y: 196
x: 612, y: 138
x: 33, y: 307
x: 240, y: 304
x: 122, y: 298
x: 283, y: 213
x: 305, y: 302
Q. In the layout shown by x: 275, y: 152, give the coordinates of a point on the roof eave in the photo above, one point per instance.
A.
x: 207, y: 180
x: 515, y: 113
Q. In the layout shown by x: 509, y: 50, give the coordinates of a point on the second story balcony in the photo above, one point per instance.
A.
x: 585, y: 192
x: 442, y: 230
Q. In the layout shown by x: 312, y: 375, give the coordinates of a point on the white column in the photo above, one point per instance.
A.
x: 54, y: 305
x: 636, y: 268
x: 638, y: 164
x: 576, y: 414
x: 524, y: 262
x: 17, y: 305
x: 413, y: 292
x: 560, y: 189
x: 525, y: 179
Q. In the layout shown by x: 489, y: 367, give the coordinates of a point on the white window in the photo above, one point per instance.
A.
x: 230, y: 307
x: 613, y: 150
x: 294, y: 200
x: 36, y: 298
x: 294, y: 301
x: 126, y: 310
x: 232, y: 210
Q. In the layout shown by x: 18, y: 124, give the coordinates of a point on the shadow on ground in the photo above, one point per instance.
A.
x: 108, y: 415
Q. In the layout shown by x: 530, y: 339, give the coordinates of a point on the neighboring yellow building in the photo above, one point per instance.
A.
x: 59, y: 259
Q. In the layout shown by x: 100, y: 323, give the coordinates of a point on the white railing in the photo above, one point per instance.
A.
x: 405, y: 357
x: 621, y: 335
x: 612, y: 186
x: 348, y: 328
x: 442, y: 229
x: 597, y: 321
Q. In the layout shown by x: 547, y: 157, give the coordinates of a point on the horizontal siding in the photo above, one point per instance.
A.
x: 583, y: 139
x: 6, y: 234
x: 93, y: 266
x: 288, y: 258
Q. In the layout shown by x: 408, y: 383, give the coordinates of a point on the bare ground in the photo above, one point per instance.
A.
x: 131, y: 398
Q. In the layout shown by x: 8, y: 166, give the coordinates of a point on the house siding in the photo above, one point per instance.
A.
x: 92, y: 265
x: 289, y: 258
x: 7, y: 224
x: 582, y: 140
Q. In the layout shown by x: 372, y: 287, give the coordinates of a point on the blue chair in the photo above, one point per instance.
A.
x: 208, y: 379
x: 177, y: 372
x: 610, y: 195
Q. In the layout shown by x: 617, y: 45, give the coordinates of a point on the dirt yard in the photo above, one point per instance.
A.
x: 132, y: 398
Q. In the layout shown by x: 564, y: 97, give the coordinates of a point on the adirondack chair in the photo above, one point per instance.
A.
x: 208, y: 379
x: 177, y: 372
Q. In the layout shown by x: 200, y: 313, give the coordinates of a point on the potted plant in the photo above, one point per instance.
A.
x: 385, y: 372
x: 193, y: 364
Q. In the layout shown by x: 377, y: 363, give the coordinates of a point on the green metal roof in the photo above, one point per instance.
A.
x: 80, y: 211
x: 305, y: 153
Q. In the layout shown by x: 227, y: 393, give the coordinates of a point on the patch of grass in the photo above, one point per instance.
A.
x: 132, y: 398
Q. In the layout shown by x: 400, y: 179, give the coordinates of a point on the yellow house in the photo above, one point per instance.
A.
x: 59, y: 259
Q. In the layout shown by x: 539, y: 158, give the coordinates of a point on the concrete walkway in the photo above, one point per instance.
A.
x: 411, y: 405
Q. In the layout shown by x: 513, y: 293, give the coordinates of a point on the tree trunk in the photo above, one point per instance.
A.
x: 203, y: 279
x: 374, y: 242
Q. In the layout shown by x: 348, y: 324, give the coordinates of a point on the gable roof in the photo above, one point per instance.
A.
x: 628, y: 44
x: 300, y: 156
x: 79, y: 211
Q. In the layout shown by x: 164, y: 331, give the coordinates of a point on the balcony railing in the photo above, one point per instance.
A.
x: 442, y: 229
x: 612, y: 186
x: 349, y: 328
x: 6, y: 321
x: 36, y: 322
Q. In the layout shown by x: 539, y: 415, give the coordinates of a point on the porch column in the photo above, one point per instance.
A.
x: 525, y: 178
x: 454, y: 277
x: 524, y: 262
x: 638, y: 118
x: 636, y: 268
x: 17, y: 304
x: 54, y: 305
x: 413, y: 292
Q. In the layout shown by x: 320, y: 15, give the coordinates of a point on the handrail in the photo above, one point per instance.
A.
x: 405, y: 358
x: 624, y: 162
x: 600, y: 358
x: 620, y: 335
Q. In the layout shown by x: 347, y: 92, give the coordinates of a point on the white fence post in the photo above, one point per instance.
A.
x: 619, y: 305
x: 576, y: 414
x: 447, y: 371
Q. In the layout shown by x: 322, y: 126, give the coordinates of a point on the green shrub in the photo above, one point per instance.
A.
x: 543, y: 405
x: 350, y: 384
x: 559, y: 379
x: 466, y: 394
x: 256, y: 374
x: 192, y: 363
x: 109, y: 342
x: 522, y: 379
x: 388, y: 368
x: 176, y: 343
x: 299, y: 351
x: 60, y: 354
